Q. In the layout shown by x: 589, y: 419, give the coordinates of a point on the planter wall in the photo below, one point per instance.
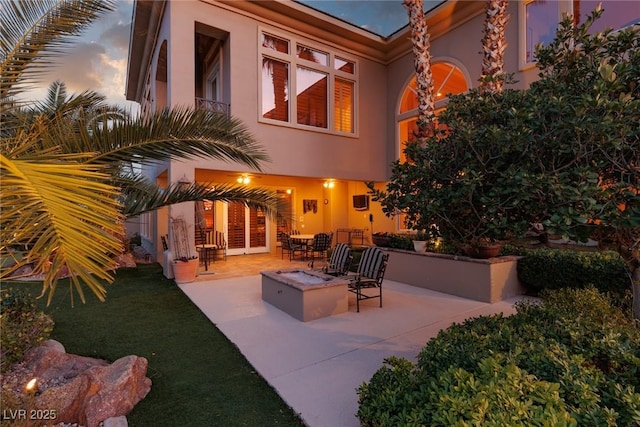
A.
x: 486, y: 280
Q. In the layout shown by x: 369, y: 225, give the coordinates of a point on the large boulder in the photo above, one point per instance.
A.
x: 81, y: 389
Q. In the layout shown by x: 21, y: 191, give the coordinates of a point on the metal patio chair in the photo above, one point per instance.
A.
x: 369, y: 275
x: 340, y: 261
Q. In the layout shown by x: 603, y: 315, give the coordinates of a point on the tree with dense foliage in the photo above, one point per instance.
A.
x: 67, y: 162
x: 565, y: 152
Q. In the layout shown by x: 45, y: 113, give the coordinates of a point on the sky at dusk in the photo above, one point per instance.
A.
x: 96, y: 60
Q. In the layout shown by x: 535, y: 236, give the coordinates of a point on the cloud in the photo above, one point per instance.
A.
x: 118, y: 35
x: 81, y: 68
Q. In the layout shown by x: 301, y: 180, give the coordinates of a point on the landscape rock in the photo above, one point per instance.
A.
x: 82, y: 389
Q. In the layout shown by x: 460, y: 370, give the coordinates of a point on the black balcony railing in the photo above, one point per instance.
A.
x: 211, y: 105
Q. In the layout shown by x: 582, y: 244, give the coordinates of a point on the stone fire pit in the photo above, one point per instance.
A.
x: 305, y: 294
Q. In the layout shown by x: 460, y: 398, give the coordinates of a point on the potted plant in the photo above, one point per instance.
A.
x: 382, y: 239
x: 422, y: 238
x: 185, y: 265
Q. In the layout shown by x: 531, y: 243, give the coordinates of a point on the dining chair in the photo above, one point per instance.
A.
x: 320, y: 244
x: 290, y: 247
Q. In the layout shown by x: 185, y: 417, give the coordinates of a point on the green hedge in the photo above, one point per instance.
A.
x: 22, y: 326
x: 563, y: 268
x: 573, y: 360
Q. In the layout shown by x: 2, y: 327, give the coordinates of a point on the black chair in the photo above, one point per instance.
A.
x: 340, y: 261
x: 290, y: 247
x: 369, y: 275
x: 320, y: 245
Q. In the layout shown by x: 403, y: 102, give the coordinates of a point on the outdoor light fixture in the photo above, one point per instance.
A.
x: 329, y: 183
x: 244, y: 180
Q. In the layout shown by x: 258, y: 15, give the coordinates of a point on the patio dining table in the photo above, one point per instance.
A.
x: 302, y: 239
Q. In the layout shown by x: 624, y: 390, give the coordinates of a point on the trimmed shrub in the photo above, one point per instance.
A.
x: 22, y: 326
x: 574, y: 359
x: 562, y: 268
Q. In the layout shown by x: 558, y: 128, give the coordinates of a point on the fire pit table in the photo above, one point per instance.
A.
x: 305, y: 294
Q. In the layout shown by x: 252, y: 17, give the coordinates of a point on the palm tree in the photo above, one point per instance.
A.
x: 422, y: 63
x: 494, y: 45
x: 66, y: 161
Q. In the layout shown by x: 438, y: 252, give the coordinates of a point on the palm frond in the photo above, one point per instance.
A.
x: 179, y: 133
x: 62, y: 214
x: 141, y: 196
x: 33, y: 32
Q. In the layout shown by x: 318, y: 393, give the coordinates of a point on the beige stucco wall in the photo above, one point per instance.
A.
x: 297, y: 153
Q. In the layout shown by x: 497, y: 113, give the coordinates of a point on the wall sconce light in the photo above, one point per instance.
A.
x: 244, y: 180
x: 329, y: 183
x: 184, y: 182
x: 288, y: 191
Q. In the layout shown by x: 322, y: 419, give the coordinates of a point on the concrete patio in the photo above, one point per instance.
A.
x: 316, y: 366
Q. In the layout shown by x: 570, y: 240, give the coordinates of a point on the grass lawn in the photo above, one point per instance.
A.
x: 199, y: 377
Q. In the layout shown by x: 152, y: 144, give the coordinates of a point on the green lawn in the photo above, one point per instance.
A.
x: 199, y: 377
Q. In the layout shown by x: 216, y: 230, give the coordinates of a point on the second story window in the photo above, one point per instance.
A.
x: 540, y: 18
x: 321, y: 92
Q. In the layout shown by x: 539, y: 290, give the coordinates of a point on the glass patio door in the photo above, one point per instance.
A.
x: 247, y: 230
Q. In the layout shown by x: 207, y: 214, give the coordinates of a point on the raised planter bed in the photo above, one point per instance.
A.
x: 304, y: 294
x: 487, y: 280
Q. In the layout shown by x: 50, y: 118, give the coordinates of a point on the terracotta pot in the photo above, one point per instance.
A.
x: 381, y: 241
x: 484, y: 251
x: 185, y: 272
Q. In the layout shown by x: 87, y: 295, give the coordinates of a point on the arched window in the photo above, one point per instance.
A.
x: 448, y: 79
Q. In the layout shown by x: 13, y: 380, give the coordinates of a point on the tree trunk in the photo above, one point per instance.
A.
x: 422, y: 64
x: 635, y: 278
x: 493, y: 46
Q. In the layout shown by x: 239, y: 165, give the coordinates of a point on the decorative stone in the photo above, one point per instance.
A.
x: 81, y: 389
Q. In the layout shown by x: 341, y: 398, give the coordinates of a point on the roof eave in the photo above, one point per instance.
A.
x: 145, y: 23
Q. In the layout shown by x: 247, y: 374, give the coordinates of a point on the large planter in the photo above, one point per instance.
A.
x: 185, y: 271
x: 484, y: 251
x: 486, y: 280
x: 381, y: 241
x: 420, y: 245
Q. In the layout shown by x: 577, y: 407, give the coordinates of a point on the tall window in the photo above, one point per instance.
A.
x: 540, y: 20
x: 448, y: 80
x: 324, y: 85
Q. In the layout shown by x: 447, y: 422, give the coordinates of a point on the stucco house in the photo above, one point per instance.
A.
x: 332, y: 103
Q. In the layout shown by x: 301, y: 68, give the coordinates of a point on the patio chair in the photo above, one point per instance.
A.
x: 209, y: 245
x: 320, y: 245
x: 340, y: 261
x: 220, y: 244
x: 369, y: 275
x: 290, y: 247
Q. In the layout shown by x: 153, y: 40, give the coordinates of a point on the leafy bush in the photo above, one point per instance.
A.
x: 573, y: 359
x: 560, y: 268
x: 22, y: 327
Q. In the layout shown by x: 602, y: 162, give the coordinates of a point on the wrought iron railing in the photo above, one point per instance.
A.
x: 210, y: 104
